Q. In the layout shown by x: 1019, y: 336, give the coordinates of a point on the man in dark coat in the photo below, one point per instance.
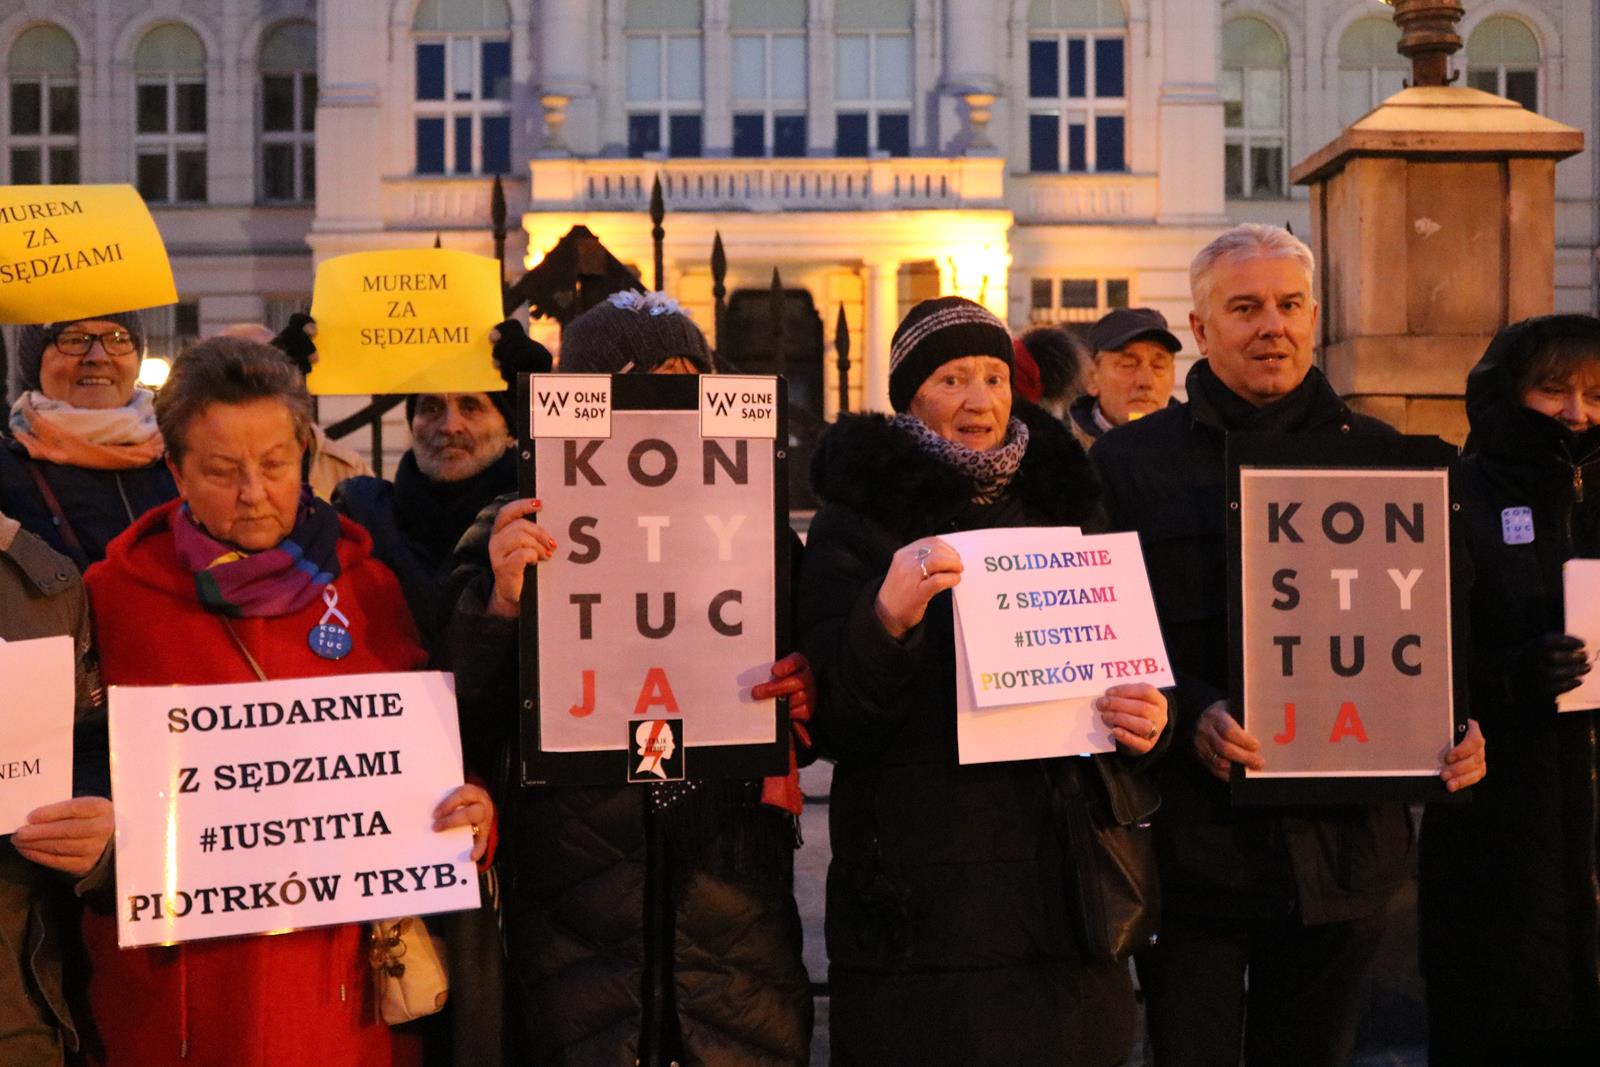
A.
x: 1509, y: 909
x: 459, y: 460
x: 1130, y: 374
x: 1294, y: 896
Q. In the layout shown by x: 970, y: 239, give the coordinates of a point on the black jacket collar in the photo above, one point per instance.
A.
x: 1311, y: 405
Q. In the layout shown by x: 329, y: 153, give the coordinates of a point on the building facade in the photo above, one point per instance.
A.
x: 1050, y: 158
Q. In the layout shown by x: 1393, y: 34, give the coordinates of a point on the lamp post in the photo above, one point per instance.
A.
x: 1428, y: 37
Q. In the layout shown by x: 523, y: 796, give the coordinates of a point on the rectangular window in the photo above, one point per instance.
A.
x: 430, y: 146
x: 1075, y: 304
x: 1523, y: 87
x: 152, y: 108
x: 644, y: 135
x: 497, y: 144
x: 644, y: 68
x: 749, y: 138
x: 27, y: 108
x: 1108, y: 66
x: 850, y: 134
x: 1077, y: 147
x: 1233, y: 170
x: 430, y: 71
x: 892, y: 68
x: 894, y: 134
x: 308, y: 172
x: 1116, y: 292
x: 789, y: 135
x: 26, y: 166
x: 1040, y: 295
x: 277, y: 172
x: 191, y: 107
x: 192, y: 176
x: 749, y: 67
x: 462, y: 68
x: 1108, y: 143
x: 1044, y: 68
x: 684, y: 136
x: 277, y: 103
x: 1079, y: 293
x: 1044, y: 148
x: 152, y: 176
x: 496, y: 70
x: 463, y: 139
x: 63, y: 109
x: 1077, y: 68
x: 1266, y: 170
x: 63, y: 166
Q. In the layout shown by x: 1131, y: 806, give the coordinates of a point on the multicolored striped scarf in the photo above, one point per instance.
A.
x: 277, y: 581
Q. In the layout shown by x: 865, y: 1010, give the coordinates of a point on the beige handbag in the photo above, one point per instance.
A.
x: 407, y: 970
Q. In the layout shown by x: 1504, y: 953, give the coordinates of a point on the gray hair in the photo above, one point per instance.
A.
x: 228, y: 370
x: 1243, y: 241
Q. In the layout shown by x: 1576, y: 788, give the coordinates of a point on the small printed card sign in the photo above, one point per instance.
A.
x: 76, y: 251
x: 569, y: 406
x: 1581, y: 578
x: 738, y: 406
x: 36, y: 729
x: 1048, y: 613
x: 409, y: 321
x: 267, y: 806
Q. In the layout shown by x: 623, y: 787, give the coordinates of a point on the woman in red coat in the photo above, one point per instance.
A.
x: 246, y: 548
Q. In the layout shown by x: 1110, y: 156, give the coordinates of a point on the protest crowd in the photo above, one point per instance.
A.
x: 1015, y: 910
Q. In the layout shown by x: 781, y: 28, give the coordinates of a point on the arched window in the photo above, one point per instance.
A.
x: 1077, y: 85
x: 1254, y: 65
x: 1503, y: 58
x: 769, y: 77
x: 463, y: 84
x: 289, y: 113
x: 666, y: 94
x: 1370, y: 70
x: 872, y: 77
x: 169, y: 140
x: 44, y: 108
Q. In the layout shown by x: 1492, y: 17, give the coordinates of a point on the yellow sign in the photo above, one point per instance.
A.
x: 413, y: 321
x: 76, y: 251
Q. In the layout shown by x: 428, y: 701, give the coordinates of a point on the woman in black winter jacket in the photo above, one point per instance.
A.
x: 950, y: 927
x: 1510, y: 894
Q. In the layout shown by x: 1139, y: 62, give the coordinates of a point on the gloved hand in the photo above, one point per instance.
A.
x: 1552, y: 664
x: 517, y: 353
x: 295, y: 341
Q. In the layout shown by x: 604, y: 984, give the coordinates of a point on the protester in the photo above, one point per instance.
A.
x: 1048, y: 370
x: 61, y: 846
x: 459, y: 461
x: 1295, y: 897
x: 714, y: 976
x: 950, y: 896
x: 1131, y: 374
x: 224, y: 585
x: 84, y: 458
x: 1509, y: 912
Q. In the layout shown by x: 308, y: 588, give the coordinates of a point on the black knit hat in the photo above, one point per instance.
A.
x: 935, y: 332
x: 33, y: 340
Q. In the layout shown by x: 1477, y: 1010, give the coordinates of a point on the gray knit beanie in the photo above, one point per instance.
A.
x: 632, y: 332
x: 33, y: 340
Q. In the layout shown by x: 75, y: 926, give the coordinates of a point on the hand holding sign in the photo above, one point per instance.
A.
x: 918, y: 572
x: 1136, y: 713
x: 516, y: 544
x: 68, y: 836
x: 1220, y: 742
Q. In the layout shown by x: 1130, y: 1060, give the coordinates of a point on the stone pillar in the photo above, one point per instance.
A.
x: 970, y: 75
x: 883, y: 315
x: 1188, y: 158
x: 563, y: 75
x: 352, y: 62
x: 1433, y: 222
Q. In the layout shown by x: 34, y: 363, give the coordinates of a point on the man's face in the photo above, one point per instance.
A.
x: 1132, y: 381
x: 457, y: 435
x: 1258, y: 325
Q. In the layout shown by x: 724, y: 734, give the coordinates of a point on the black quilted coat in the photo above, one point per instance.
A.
x: 1511, y: 882
x: 949, y: 926
x: 633, y: 935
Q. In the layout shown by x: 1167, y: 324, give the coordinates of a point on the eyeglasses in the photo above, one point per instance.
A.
x: 78, y: 342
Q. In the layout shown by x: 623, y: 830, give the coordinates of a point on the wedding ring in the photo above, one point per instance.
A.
x: 1154, y: 730
x: 922, y: 561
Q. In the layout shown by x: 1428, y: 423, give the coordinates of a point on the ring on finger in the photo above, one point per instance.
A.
x: 1154, y: 730
x: 922, y: 561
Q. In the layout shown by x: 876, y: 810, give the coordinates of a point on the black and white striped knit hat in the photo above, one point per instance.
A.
x: 935, y: 332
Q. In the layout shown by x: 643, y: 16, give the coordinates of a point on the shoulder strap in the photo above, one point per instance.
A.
x: 68, y: 534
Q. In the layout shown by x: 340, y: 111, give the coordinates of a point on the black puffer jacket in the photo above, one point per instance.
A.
x: 1511, y: 882
x: 97, y: 504
x: 628, y: 927
x: 949, y: 911
x: 1165, y: 477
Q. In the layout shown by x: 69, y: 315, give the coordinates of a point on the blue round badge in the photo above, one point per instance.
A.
x: 330, y: 641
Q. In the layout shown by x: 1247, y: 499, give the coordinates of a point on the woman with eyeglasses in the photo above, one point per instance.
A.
x: 84, y: 457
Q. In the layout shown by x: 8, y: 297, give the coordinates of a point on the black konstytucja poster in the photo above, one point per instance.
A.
x: 1346, y: 618
x: 667, y: 598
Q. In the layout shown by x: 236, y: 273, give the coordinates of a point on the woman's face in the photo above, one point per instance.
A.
x: 1574, y: 401
x: 967, y: 400
x: 96, y: 379
x: 240, y: 472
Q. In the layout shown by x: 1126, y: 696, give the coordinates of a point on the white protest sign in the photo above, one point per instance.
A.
x: 1023, y: 731
x: 1049, y: 613
x: 1581, y: 578
x: 569, y: 405
x: 733, y: 405
x: 35, y: 727
x: 269, y: 806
